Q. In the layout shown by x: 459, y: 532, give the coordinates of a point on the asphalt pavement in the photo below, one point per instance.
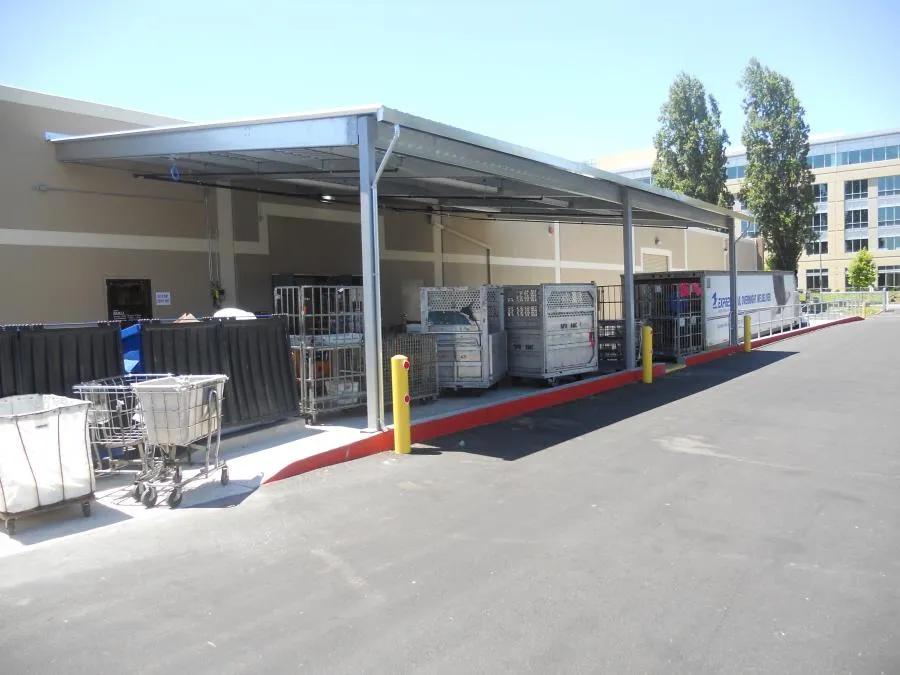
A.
x: 737, y: 517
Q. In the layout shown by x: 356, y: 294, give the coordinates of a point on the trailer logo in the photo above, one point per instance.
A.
x: 720, y: 303
x: 751, y: 299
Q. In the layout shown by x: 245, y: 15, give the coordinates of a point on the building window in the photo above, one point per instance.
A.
x: 820, y: 161
x: 820, y: 224
x: 888, y: 185
x: 817, y: 248
x: 735, y: 172
x: 855, y: 245
x: 749, y: 228
x: 888, y: 216
x: 820, y: 193
x: 856, y: 189
x: 878, y: 154
x: 816, y: 280
x: 856, y: 219
x: 889, y: 276
x: 889, y: 243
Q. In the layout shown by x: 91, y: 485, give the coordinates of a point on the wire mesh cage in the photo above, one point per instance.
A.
x: 326, y: 331
x: 115, y: 423
x: 421, y: 350
x: 610, y: 325
x: 322, y: 311
x: 675, y: 313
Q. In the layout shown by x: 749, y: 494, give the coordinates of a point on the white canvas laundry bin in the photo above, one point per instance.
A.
x: 45, y: 454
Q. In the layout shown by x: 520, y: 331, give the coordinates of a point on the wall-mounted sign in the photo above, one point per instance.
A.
x: 163, y: 298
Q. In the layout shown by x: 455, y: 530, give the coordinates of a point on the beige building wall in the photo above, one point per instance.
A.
x: 66, y: 229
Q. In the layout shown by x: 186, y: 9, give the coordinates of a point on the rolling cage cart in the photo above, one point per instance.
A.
x: 326, y: 331
x: 421, y: 350
x: 115, y: 425
x: 468, y: 322
x: 611, y: 329
x: 551, y: 330
x: 178, y: 412
x: 45, y: 456
x: 673, y: 308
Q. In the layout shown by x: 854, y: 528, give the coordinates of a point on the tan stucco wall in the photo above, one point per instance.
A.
x: 69, y: 285
x: 72, y: 203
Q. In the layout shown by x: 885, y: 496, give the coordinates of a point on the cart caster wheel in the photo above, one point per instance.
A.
x: 148, y: 499
x: 174, y: 498
x: 224, y: 478
x: 137, y: 491
x: 86, y: 509
x: 176, y: 477
x: 11, y: 527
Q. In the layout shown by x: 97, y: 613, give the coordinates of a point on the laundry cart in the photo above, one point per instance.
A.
x: 326, y: 332
x: 551, y: 330
x: 178, y: 412
x: 468, y: 322
x: 45, y: 455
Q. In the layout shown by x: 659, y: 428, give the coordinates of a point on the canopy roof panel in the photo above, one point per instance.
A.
x: 432, y: 167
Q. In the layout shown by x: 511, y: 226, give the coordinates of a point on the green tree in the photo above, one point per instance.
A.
x: 862, y: 272
x: 690, y: 144
x: 777, y: 186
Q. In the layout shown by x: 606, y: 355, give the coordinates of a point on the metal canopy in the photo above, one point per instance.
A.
x: 432, y: 168
x: 379, y: 158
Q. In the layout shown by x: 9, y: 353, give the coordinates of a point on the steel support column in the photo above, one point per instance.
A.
x: 732, y: 277
x: 628, y: 281
x: 368, y: 221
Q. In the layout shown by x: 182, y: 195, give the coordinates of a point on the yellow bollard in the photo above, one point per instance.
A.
x: 400, y: 395
x: 647, y: 354
x: 748, y: 334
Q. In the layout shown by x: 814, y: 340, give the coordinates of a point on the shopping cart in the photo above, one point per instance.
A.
x: 179, y: 411
x: 115, y: 423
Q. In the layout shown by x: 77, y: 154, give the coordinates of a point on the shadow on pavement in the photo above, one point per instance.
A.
x: 61, y: 522
x: 531, y: 433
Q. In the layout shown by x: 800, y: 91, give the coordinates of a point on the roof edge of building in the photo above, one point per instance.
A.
x: 11, y: 94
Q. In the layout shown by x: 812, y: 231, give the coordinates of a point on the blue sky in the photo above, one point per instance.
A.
x: 577, y: 78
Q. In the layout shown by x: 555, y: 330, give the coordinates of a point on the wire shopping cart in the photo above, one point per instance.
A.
x: 115, y: 423
x: 179, y: 411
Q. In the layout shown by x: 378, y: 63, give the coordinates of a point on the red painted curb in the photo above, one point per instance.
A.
x: 468, y: 419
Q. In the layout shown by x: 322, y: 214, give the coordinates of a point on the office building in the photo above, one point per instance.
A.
x: 857, y: 202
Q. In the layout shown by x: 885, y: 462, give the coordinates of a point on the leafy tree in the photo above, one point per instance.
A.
x: 862, y: 272
x: 690, y: 144
x: 777, y: 186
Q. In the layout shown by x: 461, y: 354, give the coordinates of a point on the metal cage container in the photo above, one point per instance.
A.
x: 326, y: 328
x: 551, y: 330
x: 675, y: 313
x: 421, y: 350
x: 468, y: 322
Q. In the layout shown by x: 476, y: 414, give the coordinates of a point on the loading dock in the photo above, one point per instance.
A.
x: 377, y: 159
